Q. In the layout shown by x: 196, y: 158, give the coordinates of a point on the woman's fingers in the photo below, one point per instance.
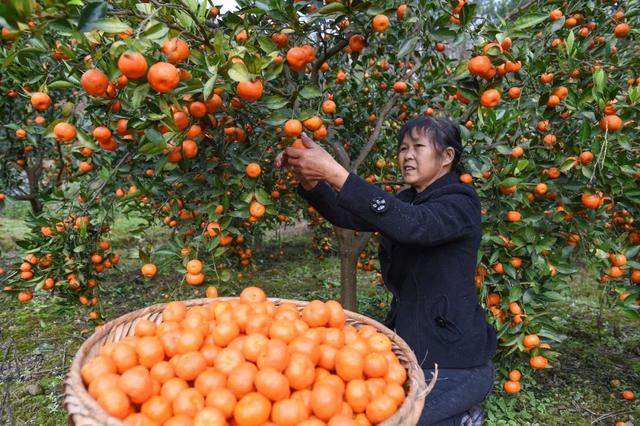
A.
x: 280, y: 159
x: 307, y: 141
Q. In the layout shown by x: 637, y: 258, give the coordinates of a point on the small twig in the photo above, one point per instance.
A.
x: 327, y: 54
x: 205, y: 37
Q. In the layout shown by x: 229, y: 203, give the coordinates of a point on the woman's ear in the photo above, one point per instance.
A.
x: 449, y: 155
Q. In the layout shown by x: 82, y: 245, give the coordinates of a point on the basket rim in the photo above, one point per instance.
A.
x: 76, y: 395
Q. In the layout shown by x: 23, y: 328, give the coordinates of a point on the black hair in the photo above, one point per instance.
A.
x: 442, y: 133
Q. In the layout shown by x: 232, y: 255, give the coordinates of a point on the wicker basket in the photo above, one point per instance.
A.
x: 84, y: 410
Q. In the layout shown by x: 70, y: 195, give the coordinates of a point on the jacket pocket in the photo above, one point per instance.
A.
x: 443, y: 322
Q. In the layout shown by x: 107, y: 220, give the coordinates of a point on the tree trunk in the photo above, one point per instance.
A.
x: 350, y: 244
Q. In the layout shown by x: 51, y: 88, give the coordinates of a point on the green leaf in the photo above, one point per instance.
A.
x: 407, y: 47
x: 208, y: 87
x: 571, y: 38
x: 154, y: 136
x: 111, y: 26
x: 139, y: 94
x: 238, y: 72
x: 155, y: 31
x: 262, y: 197
x: 309, y: 92
x: 557, y: 24
x: 90, y: 15
x: 528, y: 21
x: 225, y: 275
x: 267, y: 45
x: 60, y: 84
x: 275, y: 102
x: 335, y: 7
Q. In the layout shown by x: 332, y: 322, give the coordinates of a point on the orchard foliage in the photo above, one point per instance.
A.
x: 178, y: 112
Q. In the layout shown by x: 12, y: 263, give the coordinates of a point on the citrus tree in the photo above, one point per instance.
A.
x: 175, y: 111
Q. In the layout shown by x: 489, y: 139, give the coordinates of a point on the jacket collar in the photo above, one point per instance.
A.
x: 444, y: 180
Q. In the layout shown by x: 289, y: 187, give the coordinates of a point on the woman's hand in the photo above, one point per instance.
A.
x: 282, y: 161
x: 314, y: 164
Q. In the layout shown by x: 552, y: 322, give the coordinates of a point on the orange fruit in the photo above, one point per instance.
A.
x: 40, y: 101
x: 241, y: 379
x: 356, y: 43
x: 611, y: 123
x: 172, y: 387
x: 190, y: 365
x: 115, y: 402
x: 227, y: 360
x: 538, y: 362
x: 490, y: 98
x: 188, y: 402
x: 250, y: 90
x: 349, y: 364
x: 316, y: 314
x: 252, y: 410
x: 515, y: 375
x: 375, y: 365
x: 136, y: 383
x: 65, y: 132
x: 162, y: 372
x: 96, y: 367
x: 292, y: 128
x: 380, y: 23
x: 209, y: 416
x: 621, y: 30
x: 252, y: 295
x: 102, y: 383
x: 189, y: 148
x: 326, y: 401
x: 531, y: 341
x: 297, y: 58
x: 272, y: 384
x: 400, y: 11
x: 174, y: 311
x: 149, y: 270
x: 176, y: 50
x: 124, y: 356
x: 163, y: 77
x: 300, y: 371
x: 222, y: 399
x: 94, y: 82
x: 132, y: 64
x: 479, y: 65
x: 253, y: 170
x: 225, y: 332
x: 288, y: 412
x: 555, y: 14
x: 157, y: 409
x: 511, y: 387
x: 274, y: 355
x: 380, y: 408
x: 628, y: 395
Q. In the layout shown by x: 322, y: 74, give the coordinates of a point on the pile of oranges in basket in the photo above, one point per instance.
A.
x: 247, y: 361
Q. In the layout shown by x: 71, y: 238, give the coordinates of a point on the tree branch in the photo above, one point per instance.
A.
x: 518, y: 9
x: 341, y: 153
x: 327, y: 54
x: 376, y: 132
x: 203, y: 33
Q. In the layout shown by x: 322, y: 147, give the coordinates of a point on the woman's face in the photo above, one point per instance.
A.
x: 420, y: 163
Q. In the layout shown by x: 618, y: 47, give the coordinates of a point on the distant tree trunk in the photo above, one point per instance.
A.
x: 34, y: 173
x: 350, y: 244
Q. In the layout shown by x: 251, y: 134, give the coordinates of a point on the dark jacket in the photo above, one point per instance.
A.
x: 428, y: 253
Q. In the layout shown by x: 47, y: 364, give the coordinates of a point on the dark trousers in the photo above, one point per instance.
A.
x: 456, y: 391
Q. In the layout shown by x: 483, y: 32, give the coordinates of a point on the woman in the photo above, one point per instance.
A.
x: 429, y: 239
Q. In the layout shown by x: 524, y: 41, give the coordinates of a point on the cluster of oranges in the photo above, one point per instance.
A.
x: 245, y: 362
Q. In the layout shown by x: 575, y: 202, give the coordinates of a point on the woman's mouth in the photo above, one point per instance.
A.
x: 407, y: 169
